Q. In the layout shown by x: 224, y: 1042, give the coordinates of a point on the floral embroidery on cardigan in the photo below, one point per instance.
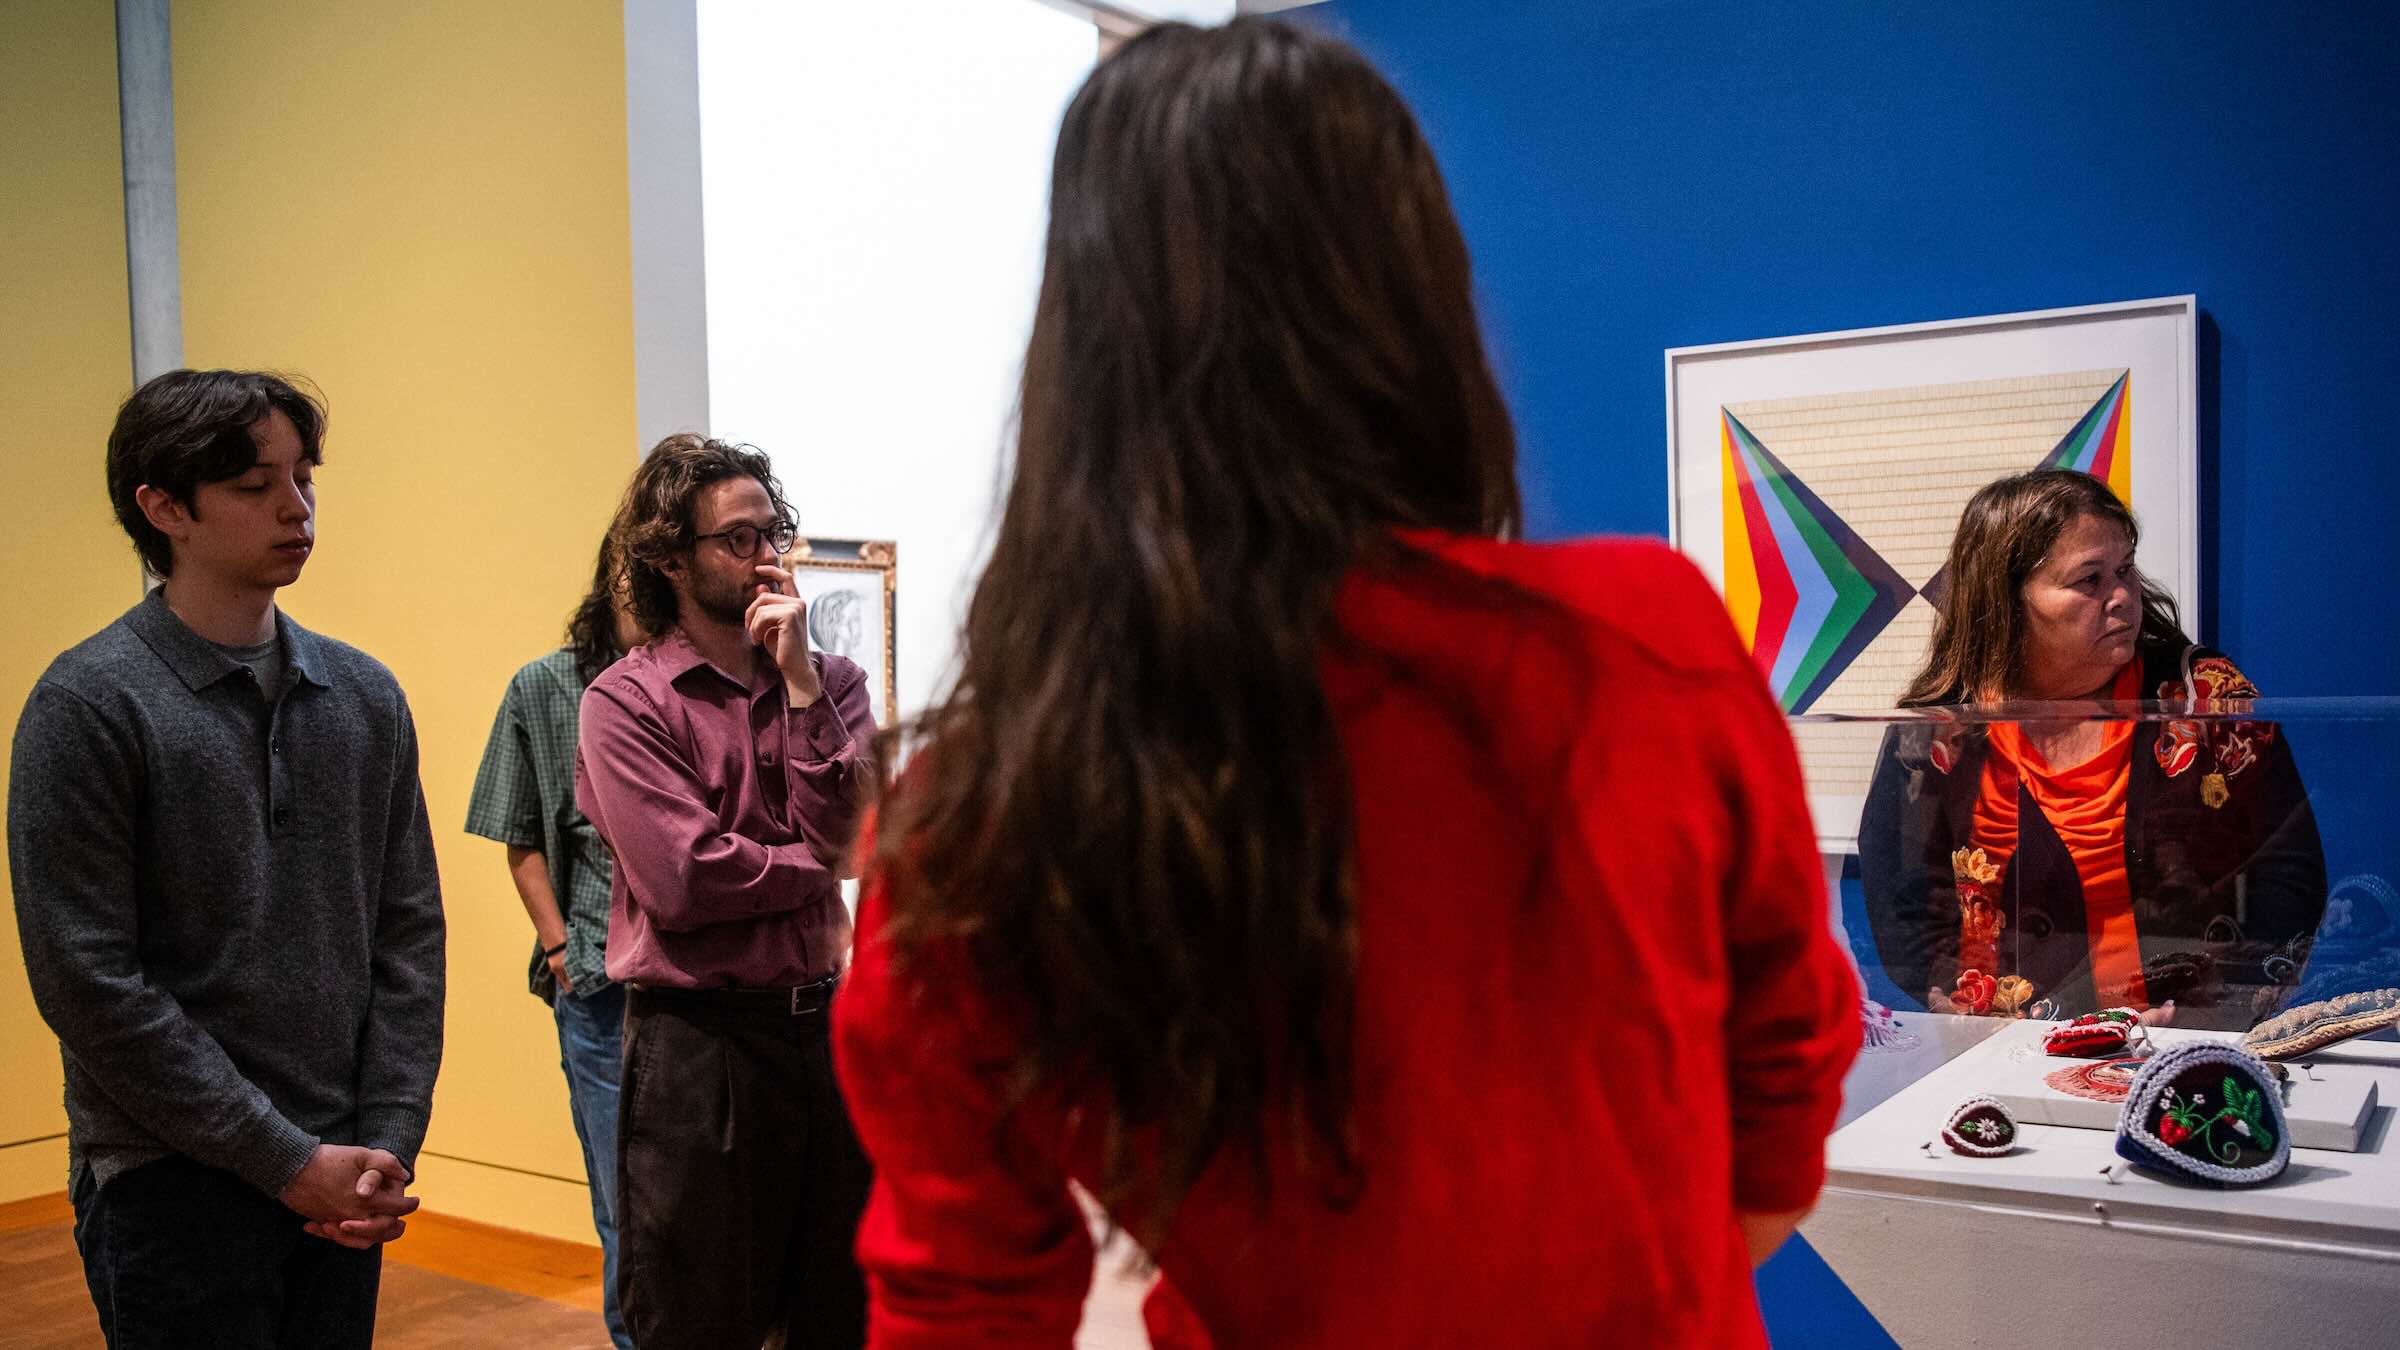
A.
x: 1977, y: 878
x: 1944, y: 751
x: 2235, y: 745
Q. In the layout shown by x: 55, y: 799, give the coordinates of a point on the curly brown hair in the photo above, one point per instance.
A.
x: 653, y: 525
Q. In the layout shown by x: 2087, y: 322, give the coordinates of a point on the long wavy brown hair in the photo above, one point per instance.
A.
x: 2009, y: 526
x: 1255, y: 355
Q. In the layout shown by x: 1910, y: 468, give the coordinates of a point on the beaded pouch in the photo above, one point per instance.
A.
x: 2313, y: 1026
x: 2093, y: 1035
x: 2208, y: 1112
x: 1980, y: 1128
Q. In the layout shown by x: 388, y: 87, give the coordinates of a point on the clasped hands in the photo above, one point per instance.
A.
x: 351, y: 1195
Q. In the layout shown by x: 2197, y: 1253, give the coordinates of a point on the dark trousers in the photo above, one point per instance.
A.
x: 740, y: 1184
x: 178, y: 1254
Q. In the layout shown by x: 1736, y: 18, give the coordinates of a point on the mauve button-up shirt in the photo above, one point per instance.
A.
x: 728, y: 812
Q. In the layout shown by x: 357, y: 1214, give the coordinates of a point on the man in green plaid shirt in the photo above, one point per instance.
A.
x: 525, y: 798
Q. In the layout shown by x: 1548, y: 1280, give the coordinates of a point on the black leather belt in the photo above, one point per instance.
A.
x: 797, y: 1000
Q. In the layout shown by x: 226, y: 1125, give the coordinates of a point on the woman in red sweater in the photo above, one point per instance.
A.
x: 1410, y: 936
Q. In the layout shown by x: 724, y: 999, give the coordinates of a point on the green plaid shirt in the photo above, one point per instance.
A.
x: 525, y: 796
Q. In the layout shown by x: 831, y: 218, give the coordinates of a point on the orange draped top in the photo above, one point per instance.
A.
x: 2085, y: 803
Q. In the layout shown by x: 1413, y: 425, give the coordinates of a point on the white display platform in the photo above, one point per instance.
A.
x: 2330, y: 1111
x: 1939, y: 1038
x: 2039, y: 1247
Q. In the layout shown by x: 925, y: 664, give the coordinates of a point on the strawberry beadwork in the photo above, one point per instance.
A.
x: 2209, y: 1112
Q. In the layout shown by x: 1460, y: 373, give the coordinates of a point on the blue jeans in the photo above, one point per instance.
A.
x: 591, y: 1049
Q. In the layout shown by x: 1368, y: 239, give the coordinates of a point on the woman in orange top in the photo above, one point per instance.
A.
x: 2170, y: 866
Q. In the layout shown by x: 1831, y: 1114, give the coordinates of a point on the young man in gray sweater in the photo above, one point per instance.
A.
x: 225, y: 888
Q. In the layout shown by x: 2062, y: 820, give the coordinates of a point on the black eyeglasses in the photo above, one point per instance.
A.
x: 742, y: 540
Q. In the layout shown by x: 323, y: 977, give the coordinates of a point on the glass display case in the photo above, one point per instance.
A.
x: 2131, y: 975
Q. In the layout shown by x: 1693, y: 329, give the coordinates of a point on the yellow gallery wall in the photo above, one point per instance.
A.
x: 422, y: 208
x: 67, y: 358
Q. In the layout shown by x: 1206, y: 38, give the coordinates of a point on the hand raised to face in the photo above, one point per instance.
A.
x: 778, y: 621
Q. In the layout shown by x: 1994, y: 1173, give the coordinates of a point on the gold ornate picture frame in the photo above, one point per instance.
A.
x: 852, y: 590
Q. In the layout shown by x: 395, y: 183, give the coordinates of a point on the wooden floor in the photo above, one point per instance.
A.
x: 448, y: 1282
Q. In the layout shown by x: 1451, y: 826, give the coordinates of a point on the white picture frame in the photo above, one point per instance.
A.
x: 1878, y: 436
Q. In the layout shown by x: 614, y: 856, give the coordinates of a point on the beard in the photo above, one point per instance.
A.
x: 721, y: 600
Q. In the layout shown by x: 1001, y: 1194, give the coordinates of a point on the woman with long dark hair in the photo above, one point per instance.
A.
x: 2070, y: 862
x: 1408, y: 935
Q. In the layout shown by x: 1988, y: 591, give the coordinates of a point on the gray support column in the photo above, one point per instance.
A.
x: 146, y: 116
x: 662, y: 179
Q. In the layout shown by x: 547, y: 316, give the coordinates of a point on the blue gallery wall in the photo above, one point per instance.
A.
x: 1636, y: 176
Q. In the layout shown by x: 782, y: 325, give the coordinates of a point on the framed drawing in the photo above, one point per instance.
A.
x: 851, y: 586
x: 1817, y: 480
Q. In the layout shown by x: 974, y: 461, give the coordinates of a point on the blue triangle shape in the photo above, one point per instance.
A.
x: 1806, y: 1305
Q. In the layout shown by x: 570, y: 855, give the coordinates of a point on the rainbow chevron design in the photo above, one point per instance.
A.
x: 1806, y: 592
x: 2101, y: 444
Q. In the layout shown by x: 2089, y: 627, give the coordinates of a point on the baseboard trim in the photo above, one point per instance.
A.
x: 501, y: 1257
x: 33, y: 1167
x: 505, y: 1198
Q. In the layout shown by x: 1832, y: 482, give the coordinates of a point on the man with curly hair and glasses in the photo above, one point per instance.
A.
x: 725, y: 765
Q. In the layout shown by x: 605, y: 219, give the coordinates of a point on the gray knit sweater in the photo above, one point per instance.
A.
x: 227, y: 899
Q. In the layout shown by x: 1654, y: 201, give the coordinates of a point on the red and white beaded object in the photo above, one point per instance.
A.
x: 2108, y: 1032
x: 1980, y: 1128
x: 2106, y: 1080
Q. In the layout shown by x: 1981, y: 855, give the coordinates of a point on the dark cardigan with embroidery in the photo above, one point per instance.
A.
x: 2225, y: 897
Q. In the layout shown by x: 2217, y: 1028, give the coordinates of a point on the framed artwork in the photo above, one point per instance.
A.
x: 1818, y: 479
x: 852, y: 587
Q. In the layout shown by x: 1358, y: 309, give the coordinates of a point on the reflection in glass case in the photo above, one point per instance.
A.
x: 2047, y: 862
x: 2150, y: 953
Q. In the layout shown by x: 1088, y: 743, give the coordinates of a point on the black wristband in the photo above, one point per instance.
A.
x: 548, y: 952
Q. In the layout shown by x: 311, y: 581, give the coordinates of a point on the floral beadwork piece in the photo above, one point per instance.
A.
x: 2107, y: 1080
x: 1973, y: 993
x: 2313, y: 1026
x: 2178, y: 745
x: 1976, y: 877
x: 2209, y: 1112
x: 2092, y: 1035
x: 2012, y: 995
x: 2216, y: 686
x: 2214, y: 678
x: 1972, y: 866
x: 1980, y: 1128
x: 1881, y: 1032
x: 1945, y: 750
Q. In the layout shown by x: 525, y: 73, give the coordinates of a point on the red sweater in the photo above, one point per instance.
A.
x: 1596, y: 1016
